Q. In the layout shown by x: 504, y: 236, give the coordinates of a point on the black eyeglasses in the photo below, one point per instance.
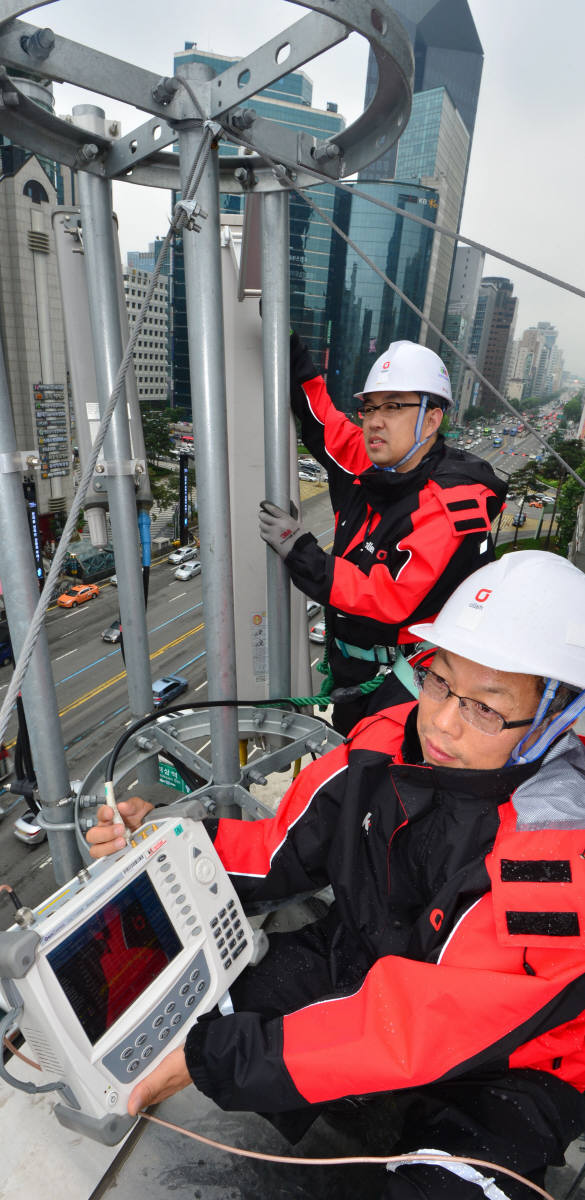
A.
x: 473, y: 711
x: 389, y: 406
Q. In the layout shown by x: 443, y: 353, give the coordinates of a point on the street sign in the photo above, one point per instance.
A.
x: 169, y: 775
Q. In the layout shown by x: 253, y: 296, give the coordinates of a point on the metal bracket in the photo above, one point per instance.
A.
x: 14, y: 461
x: 128, y: 466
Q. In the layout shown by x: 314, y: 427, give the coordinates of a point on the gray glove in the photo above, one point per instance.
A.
x: 278, y: 528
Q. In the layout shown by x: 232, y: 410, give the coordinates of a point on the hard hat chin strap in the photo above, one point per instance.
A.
x: 418, y: 441
x: 549, y: 735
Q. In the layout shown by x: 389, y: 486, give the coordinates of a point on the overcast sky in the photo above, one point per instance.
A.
x: 527, y: 173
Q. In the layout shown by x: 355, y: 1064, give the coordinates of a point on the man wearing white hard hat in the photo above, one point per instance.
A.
x: 440, y: 1004
x: 413, y: 518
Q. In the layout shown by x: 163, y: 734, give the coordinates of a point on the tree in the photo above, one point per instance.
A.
x: 157, y: 435
x: 571, y: 449
x: 573, y: 409
x: 571, y: 496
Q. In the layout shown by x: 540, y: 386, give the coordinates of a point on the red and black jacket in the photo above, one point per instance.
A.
x: 467, y: 920
x: 403, y: 541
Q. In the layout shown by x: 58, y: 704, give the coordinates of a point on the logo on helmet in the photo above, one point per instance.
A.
x: 483, y: 594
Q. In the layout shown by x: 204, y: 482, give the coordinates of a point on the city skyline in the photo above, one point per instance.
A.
x: 525, y: 173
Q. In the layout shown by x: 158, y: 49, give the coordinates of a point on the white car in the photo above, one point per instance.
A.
x: 188, y: 571
x: 317, y: 632
x: 182, y: 555
x: 313, y: 608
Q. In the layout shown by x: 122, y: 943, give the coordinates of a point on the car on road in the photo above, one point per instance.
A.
x: 113, y: 633
x: 317, y: 632
x: 189, y: 570
x: 313, y: 608
x: 27, y: 829
x: 114, y: 580
x: 181, y: 555
x: 519, y: 519
x: 5, y: 652
x: 168, y: 688
x: 535, y: 503
x: 80, y: 594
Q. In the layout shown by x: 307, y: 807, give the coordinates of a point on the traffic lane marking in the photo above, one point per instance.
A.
x: 102, y: 687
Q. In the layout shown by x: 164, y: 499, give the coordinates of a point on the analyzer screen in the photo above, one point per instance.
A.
x: 110, y: 960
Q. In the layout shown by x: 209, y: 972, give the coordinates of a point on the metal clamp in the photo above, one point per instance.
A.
x: 125, y: 466
x: 14, y: 461
x: 191, y: 209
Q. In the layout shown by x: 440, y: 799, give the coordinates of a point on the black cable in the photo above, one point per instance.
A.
x: 175, y: 710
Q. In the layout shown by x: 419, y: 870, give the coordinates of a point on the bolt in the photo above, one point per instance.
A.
x: 39, y: 44
x: 99, y: 470
x: 88, y: 152
x: 241, y: 176
x: 243, y: 118
x: 326, y: 150
x: 164, y: 90
x: 32, y: 460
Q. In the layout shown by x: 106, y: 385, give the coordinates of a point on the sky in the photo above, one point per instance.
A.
x: 527, y: 170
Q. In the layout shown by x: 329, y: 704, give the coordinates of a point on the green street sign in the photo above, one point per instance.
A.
x: 169, y: 775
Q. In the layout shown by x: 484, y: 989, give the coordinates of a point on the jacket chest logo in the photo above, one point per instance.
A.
x: 367, y: 822
x: 369, y: 546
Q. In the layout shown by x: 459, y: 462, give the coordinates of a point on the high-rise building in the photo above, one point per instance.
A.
x: 363, y: 314
x: 493, y: 333
x: 463, y: 296
x: 151, y: 354
x: 287, y: 102
x: 31, y: 317
x: 447, y: 53
x: 433, y: 151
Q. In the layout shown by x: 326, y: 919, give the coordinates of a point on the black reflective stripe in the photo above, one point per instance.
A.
x: 547, y: 924
x: 459, y: 505
x: 535, y: 870
x: 474, y: 523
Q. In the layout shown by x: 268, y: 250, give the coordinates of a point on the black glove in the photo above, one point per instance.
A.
x: 278, y: 528
x: 302, y: 366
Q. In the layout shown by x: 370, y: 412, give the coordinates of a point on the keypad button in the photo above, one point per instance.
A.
x: 140, y: 1040
x: 133, y: 1066
x: 161, y: 858
x: 224, y: 954
x: 185, y: 909
x: 240, y: 934
x: 225, y: 923
x: 214, y: 889
x: 191, y: 920
x: 184, y: 989
x: 217, y: 932
x: 146, y: 1053
x: 158, y: 1021
x: 232, y: 944
x: 170, y: 1007
x: 126, y: 1052
x: 230, y: 903
x: 200, y: 987
x: 227, y: 963
x: 214, y: 922
x: 196, y: 931
x: 164, y: 1033
x: 205, y: 870
x: 176, y: 888
x: 180, y: 899
x: 238, y: 949
x: 222, y: 912
x: 236, y: 924
x: 194, y: 974
x: 171, y: 878
x: 166, y: 866
x: 190, y: 1001
x: 176, y: 1019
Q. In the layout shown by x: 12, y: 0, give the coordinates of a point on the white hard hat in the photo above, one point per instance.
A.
x: 523, y: 613
x: 408, y: 367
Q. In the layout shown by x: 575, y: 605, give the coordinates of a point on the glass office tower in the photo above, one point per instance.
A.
x: 363, y: 314
x: 447, y: 53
